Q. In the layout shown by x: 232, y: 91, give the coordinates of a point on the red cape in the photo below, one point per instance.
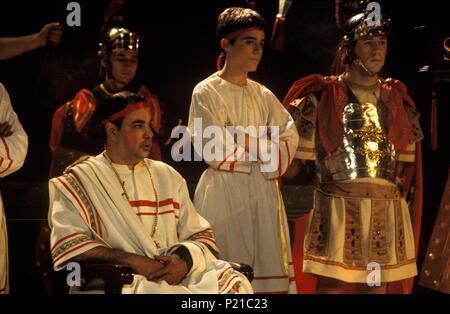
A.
x: 329, y: 122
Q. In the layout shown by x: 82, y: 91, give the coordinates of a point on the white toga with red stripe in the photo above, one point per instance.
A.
x: 13, y: 150
x: 88, y: 208
x: 242, y: 202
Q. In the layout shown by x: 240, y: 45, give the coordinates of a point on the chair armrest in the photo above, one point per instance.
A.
x: 244, y: 269
x: 114, y: 276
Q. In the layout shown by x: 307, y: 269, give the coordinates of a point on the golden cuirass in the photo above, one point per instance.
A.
x: 365, y: 151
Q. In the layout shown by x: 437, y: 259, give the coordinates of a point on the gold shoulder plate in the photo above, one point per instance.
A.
x: 297, y: 102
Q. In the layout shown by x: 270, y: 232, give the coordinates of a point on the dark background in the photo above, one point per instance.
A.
x: 178, y: 50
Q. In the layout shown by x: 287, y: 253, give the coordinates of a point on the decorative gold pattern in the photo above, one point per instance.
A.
x: 225, y: 278
x: 84, y: 199
x: 378, y: 248
x: 364, y: 29
x: 303, y: 112
x: 416, y: 131
x: 400, y: 232
x: 354, y: 250
x: 70, y: 244
x: 363, y: 268
x: 436, y: 269
x: 320, y: 226
x: 361, y: 190
x: 370, y: 135
x: 352, y: 244
x: 365, y: 150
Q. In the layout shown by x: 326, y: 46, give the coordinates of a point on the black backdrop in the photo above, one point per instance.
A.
x: 178, y: 49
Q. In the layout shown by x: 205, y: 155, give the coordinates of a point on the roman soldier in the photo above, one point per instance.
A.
x: 76, y: 129
x: 360, y: 134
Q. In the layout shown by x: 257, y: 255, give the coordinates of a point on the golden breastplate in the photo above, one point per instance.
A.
x: 365, y: 151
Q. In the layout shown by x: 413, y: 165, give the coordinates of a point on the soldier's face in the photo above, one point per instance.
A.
x: 124, y: 64
x: 371, y: 52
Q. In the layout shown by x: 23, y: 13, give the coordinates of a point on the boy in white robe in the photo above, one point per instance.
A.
x: 239, y: 194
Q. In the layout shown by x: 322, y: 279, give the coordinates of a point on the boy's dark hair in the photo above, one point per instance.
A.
x: 235, y: 18
x: 114, y: 104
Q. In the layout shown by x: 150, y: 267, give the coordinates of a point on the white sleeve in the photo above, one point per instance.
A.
x: 206, y: 112
x: 285, y: 141
x: 13, y: 149
x: 70, y: 235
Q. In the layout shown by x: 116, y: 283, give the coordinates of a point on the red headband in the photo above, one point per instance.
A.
x: 128, y: 109
x: 240, y: 32
x: 229, y: 36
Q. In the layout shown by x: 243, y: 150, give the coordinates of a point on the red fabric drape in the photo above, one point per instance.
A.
x: 329, y: 121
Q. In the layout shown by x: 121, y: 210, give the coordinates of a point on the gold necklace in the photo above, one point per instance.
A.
x: 125, y: 193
